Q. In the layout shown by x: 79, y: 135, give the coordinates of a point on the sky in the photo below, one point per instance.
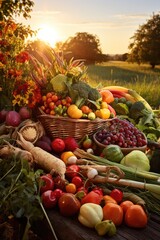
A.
x: 113, y: 22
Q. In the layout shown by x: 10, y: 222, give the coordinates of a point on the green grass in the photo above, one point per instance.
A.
x: 142, y: 78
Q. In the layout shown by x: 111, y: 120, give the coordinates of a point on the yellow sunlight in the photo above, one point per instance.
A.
x: 47, y: 34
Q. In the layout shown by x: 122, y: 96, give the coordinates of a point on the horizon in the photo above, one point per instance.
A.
x: 113, y: 23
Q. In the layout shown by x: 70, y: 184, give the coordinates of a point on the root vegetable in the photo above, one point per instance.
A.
x: 44, y: 159
x: 8, y: 150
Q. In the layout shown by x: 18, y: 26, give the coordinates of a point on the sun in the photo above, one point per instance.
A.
x: 47, y: 34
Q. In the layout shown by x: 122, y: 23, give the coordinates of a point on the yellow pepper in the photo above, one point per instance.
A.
x: 103, y: 113
x: 104, y: 105
x: 90, y: 214
x: 74, y: 112
x: 106, y: 227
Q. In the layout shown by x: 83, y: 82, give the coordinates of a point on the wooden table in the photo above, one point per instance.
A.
x: 70, y: 229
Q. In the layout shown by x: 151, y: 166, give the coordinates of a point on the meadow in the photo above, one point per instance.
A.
x: 142, y: 78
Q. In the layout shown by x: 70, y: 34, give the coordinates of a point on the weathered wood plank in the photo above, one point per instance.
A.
x: 70, y: 229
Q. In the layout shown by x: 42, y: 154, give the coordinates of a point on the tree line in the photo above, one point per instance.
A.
x: 144, y: 48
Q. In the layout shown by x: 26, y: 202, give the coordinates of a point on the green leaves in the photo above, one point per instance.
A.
x: 19, y: 189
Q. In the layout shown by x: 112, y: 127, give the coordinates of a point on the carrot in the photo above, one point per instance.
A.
x: 45, y: 160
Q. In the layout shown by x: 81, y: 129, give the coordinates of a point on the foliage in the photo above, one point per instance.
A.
x: 83, y: 46
x: 8, y: 8
x: 145, y: 47
x: 19, y: 191
x: 17, y: 86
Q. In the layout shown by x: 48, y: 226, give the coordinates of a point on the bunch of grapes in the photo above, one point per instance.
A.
x: 122, y: 133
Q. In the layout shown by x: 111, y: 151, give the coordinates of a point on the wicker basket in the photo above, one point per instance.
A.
x: 57, y: 126
x: 125, y: 151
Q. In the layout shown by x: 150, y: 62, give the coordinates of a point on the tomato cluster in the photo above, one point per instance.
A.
x: 53, y: 104
x: 74, y: 191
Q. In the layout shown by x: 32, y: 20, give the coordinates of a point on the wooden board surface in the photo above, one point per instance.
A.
x: 70, y: 229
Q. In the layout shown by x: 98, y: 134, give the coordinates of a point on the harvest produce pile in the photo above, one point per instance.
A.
x: 103, y: 177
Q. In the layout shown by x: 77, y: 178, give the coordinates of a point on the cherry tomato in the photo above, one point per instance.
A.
x: 58, y: 193
x: 68, y: 99
x: 48, y: 199
x: 77, y: 181
x: 54, y: 98
x: 117, y: 195
x: 72, y: 171
x: 48, y: 183
x: 59, y: 183
x: 49, y: 95
x: 71, y: 188
x: 92, y: 197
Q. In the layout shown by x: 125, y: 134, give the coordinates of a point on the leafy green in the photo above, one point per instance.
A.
x: 19, y: 190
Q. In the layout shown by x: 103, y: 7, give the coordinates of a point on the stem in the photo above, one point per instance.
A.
x: 25, y: 235
x: 7, y: 172
x: 47, y: 218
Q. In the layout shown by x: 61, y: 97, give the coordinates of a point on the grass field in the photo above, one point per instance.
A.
x: 143, y: 79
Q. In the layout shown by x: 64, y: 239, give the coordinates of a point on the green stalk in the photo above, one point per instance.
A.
x: 152, y: 188
x: 129, y: 172
x: 47, y: 218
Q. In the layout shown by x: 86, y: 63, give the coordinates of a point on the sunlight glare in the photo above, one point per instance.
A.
x: 48, y: 34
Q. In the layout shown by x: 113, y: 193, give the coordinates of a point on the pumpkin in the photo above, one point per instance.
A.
x: 113, y: 153
x: 74, y: 112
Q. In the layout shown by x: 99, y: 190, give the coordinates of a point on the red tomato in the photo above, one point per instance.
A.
x: 48, y: 199
x: 92, y: 197
x: 136, y: 217
x: 58, y: 145
x: 77, y: 181
x: 51, y: 105
x: 117, y: 195
x: 68, y: 204
x: 68, y: 99
x: 113, y: 211
x: 58, y: 193
x: 72, y: 170
x: 59, y: 183
x: 54, y: 98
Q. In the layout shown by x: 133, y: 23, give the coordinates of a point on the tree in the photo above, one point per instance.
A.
x: 145, y: 47
x: 83, y: 46
x: 8, y: 8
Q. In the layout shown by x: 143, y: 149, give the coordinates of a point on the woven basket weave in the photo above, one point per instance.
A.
x: 57, y: 126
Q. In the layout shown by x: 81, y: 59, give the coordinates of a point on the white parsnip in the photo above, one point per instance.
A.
x: 45, y: 160
x: 8, y: 150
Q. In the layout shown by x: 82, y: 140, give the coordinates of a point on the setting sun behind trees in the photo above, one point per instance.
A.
x: 48, y: 34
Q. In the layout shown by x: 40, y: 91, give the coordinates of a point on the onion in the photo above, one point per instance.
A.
x: 92, y: 172
x: 13, y: 118
x: 3, y: 114
x: 24, y: 113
